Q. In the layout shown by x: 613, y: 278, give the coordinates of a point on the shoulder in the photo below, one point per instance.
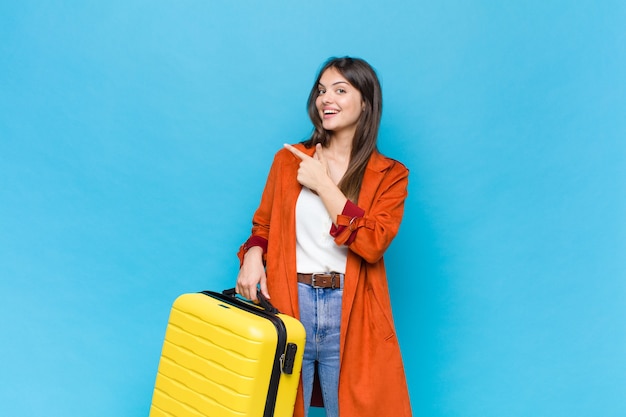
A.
x: 380, y: 162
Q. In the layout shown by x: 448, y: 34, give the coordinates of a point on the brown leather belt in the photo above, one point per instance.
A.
x: 332, y: 280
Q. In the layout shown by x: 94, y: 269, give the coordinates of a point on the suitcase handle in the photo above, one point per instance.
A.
x: 263, y: 301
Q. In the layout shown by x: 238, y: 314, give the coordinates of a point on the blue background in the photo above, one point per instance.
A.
x: 135, y: 137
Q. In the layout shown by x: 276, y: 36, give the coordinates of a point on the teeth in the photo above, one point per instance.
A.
x: 330, y: 111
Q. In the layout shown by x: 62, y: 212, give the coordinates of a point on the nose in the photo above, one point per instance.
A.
x: 327, y: 98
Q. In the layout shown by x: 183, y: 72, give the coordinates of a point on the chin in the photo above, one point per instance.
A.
x: 329, y: 126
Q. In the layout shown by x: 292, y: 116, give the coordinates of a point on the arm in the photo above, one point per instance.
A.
x: 252, y: 253
x: 313, y: 174
x: 370, y: 233
x: 367, y: 234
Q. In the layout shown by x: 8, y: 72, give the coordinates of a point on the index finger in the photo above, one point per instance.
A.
x: 295, y: 151
x: 319, y: 153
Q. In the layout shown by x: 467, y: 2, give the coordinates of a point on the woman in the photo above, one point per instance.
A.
x: 329, y: 210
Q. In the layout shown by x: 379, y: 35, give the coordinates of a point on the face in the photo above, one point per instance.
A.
x: 339, y: 103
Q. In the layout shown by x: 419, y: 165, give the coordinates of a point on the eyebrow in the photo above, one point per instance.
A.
x: 335, y: 83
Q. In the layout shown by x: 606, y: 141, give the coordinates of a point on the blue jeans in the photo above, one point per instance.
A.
x: 320, y: 313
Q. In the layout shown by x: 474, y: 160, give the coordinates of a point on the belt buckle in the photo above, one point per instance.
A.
x: 313, y: 280
x: 333, y: 280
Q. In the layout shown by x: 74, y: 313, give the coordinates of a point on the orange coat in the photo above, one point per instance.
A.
x: 371, y: 379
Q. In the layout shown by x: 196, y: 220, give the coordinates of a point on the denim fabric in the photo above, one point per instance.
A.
x: 320, y: 313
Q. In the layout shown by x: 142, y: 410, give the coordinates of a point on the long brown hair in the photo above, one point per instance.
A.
x: 363, y: 77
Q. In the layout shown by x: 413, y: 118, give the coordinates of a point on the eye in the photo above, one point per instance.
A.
x: 320, y: 91
x: 341, y: 91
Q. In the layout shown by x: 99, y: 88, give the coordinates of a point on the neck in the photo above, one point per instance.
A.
x: 341, y: 145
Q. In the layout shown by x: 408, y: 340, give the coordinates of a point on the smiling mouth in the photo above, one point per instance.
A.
x: 330, y: 112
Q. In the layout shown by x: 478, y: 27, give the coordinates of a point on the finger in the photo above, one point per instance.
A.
x: 239, y: 288
x: 246, y: 291
x: 264, y: 288
x: 319, y: 155
x: 250, y: 293
x: 296, y: 152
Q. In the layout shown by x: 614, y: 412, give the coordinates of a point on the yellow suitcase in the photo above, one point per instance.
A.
x: 226, y: 357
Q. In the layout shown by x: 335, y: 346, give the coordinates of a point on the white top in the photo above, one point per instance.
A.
x: 316, y: 250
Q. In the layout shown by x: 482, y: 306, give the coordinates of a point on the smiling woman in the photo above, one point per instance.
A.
x: 330, y: 209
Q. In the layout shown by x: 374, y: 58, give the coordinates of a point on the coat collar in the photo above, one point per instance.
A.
x: 378, y: 162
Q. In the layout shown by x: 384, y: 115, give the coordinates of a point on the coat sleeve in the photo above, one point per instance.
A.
x: 369, y: 234
x: 262, y: 216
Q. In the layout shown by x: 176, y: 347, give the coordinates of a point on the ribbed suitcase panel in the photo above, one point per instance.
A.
x: 216, y: 361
